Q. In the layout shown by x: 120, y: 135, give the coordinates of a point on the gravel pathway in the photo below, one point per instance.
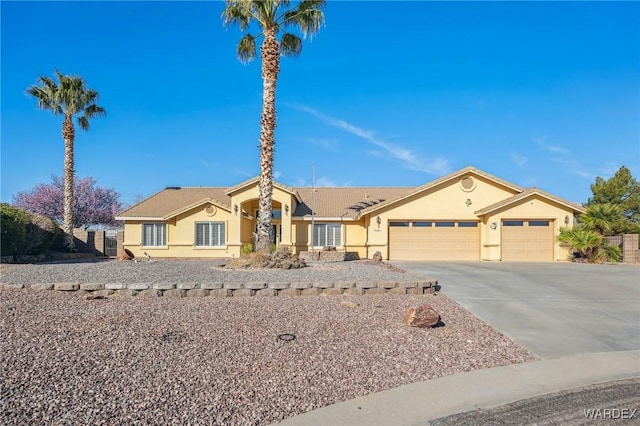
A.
x: 65, y: 360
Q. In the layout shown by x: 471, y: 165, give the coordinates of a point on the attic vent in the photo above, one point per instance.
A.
x: 467, y: 184
x: 172, y: 187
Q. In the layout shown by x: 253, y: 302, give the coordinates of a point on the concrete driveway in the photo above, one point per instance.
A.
x: 553, y: 309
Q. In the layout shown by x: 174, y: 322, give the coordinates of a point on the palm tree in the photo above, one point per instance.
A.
x: 71, y: 98
x: 272, y: 18
x: 602, y: 218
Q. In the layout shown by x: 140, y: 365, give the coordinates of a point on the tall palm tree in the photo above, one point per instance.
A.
x: 271, y: 18
x: 69, y: 97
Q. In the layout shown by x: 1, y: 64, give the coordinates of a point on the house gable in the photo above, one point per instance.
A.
x: 466, y: 179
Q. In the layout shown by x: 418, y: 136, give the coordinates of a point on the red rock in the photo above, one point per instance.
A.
x: 424, y: 316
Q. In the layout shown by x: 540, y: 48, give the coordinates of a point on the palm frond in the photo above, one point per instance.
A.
x: 69, y: 96
x: 83, y: 122
x: 237, y: 13
x: 94, y: 110
x: 308, y: 17
x: 247, y: 48
x: 290, y: 45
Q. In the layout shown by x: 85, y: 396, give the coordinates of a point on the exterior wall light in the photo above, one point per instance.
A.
x: 378, y: 221
x: 566, y: 220
x: 286, y: 208
x: 235, y: 209
x: 468, y: 202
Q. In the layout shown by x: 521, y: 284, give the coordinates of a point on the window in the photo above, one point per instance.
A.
x: 512, y: 223
x: 538, y: 223
x: 403, y: 224
x: 210, y: 234
x: 422, y: 224
x: 154, y: 234
x: 445, y: 224
x: 327, y: 235
x: 467, y: 224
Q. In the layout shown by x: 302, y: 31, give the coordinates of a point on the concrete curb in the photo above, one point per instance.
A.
x: 417, y: 403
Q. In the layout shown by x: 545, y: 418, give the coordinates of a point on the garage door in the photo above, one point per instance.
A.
x: 527, y: 240
x: 434, y: 240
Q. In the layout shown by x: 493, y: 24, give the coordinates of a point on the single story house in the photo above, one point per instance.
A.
x: 466, y: 215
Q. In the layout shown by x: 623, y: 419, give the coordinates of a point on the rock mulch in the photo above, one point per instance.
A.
x: 133, y: 360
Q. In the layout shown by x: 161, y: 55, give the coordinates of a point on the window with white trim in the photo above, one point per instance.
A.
x: 210, y: 234
x: 154, y: 235
x: 327, y: 235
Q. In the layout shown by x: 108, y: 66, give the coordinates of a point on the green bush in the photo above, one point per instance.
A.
x: 612, y: 253
x: 25, y: 233
x: 41, y: 234
x: 247, y: 249
x: 13, y: 225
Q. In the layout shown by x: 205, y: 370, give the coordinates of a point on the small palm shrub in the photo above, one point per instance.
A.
x: 589, y: 245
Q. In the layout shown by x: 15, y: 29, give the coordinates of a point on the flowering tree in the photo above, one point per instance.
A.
x: 94, y: 205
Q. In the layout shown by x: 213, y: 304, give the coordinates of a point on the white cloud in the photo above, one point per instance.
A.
x: 277, y: 174
x: 519, y: 160
x: 330, y: 144
x: 324, y: 181
x: 409, y: 159
x: 609, y: 169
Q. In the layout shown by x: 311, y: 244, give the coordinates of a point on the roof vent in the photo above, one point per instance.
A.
x: 172, y: 187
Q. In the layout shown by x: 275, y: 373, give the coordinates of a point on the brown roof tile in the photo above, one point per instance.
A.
x: 344, y: 202
x: 170, y: 200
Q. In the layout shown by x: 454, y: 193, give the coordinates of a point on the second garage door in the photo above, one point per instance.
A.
x: 527, y: 240
x: 434, y: 240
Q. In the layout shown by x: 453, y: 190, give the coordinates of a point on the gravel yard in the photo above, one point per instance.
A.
x: 68, y: 360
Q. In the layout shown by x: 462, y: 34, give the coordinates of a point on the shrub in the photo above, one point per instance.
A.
x: 247, y: 249
x: 612, y: 253
x: 13, y: 222
x: 282, y: 259
x: 25, y: 233
x: 41, y: 234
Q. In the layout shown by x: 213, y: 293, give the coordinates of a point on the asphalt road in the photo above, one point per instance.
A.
x: 616, y: 402
x: 553, y: 309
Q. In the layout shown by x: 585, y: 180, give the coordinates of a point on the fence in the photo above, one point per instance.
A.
x: 628, y: 244
x: 102, y: 243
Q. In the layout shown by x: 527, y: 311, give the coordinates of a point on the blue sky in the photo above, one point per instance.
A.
x: 542, y: 94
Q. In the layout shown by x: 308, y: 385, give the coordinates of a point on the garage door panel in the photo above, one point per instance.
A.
x: 527, y: 240
x: 438, y: 242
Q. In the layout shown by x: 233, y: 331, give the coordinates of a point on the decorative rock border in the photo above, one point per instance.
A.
x: 235, y: 289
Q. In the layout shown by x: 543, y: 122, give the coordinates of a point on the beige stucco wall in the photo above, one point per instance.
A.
x: 241, y: 229
x: 353, y: 236
x: 180, y: 235
x: 532, y: 207
x: 446, y: 201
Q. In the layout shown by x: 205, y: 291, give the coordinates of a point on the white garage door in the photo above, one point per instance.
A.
x: 527, y: 240
x: 434, y: 240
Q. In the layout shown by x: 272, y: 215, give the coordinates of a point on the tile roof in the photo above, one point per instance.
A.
x: 174, y: 199
x: 344, y: 202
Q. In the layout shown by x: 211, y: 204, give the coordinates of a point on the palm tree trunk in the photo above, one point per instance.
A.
x: 68, y: 134
x: 270, y: 54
